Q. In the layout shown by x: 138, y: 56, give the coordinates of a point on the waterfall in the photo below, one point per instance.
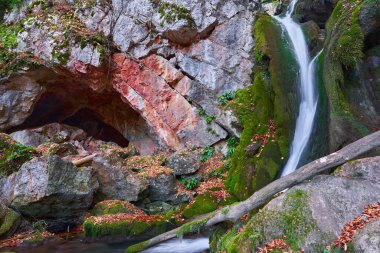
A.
x: 308, y: 103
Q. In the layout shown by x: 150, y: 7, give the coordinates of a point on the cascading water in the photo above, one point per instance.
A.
x: 308, y: 105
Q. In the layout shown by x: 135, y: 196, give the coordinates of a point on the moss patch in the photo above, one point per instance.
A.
x: 13, y: 155
x: 202, y: 204
x: 9, y: 221
x: 136, y: 227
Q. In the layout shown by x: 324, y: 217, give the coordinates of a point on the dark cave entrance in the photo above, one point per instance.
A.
x: 78, y: 106
x: 90, y: 122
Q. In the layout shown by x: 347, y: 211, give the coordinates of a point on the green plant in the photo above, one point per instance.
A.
x: 39, y: 226
x: 232, y: 143
x: 226, y: 97
x: 207, y: 154
x: 172, y: 12
x: 212, y: 131
x: 189, y: 183
x: 13, y: 155
x: 205, y: 116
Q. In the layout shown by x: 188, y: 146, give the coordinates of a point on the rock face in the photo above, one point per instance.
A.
x: 184, y: 163
x: 115, y: 181
x: 165, y: 69
x: 316, y: 10
x: 50, y: 189
x: 367, y: 240
x: 310, y: 216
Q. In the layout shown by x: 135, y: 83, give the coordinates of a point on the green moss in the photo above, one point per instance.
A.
x: 342, y: 52
x: 193, y: 226
x: 132, y: 229
x: 8, y: 5
x: 172, y: 12
x: 293, y: 223
x: 137, y: 247
x: 203, y: 204
x: 271, y: 97
x: 13, y: 155
x: 8, y: 222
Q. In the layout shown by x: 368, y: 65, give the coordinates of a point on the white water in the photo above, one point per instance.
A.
x: 308, y: 105
x: 181, y: 246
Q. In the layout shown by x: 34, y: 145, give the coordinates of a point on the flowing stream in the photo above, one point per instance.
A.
x: 308, y: 104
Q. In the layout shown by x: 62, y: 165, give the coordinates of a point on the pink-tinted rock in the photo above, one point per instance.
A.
x: 145, y: 86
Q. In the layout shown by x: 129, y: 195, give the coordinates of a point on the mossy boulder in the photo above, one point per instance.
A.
x: 124, y: 226
x: 212, y: 194
x: 343, y: 52
x: 267, y: 108
x: 51, y: 189
x: 309, y: 216
x: 9, y: 221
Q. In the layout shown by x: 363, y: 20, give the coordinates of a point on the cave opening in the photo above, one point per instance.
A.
x: 102, y: 114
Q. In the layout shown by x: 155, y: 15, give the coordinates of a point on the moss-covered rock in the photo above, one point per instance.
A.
x: 13, y: 155
x: 9, y: 221
x: 126, y: 226
x: 313, y: 37
x: 293, y: 223
x: 202, y: 204
x: 343, y: 51
x: 309, y: 216
x: 268, y: 107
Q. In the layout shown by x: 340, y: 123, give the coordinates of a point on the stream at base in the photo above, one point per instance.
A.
x: 78, y: 245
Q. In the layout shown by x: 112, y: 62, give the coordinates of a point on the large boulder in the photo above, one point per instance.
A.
x: 185, y: 162
x: 162, y: 184
x: 310, y: 216
x: 50, y: 189
x: 29, y: 138
x: 116, y: 181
